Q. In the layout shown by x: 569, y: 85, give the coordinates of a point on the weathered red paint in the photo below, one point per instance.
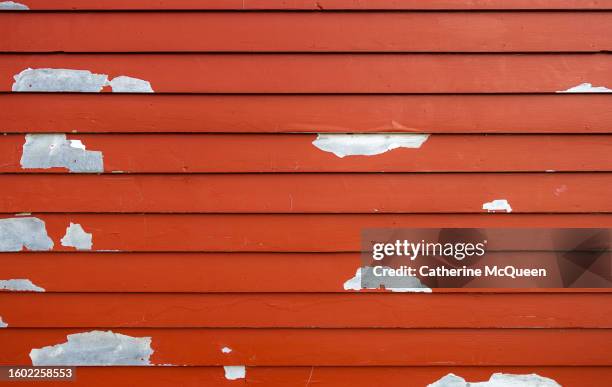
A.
x: 308, y: 32
x: 344, y: 347
x: 317, y: 5
x: 333, y: 73
x: 295, y: 153
x: 145, y: 113
x: 307, y: 310
x: 309, y: 193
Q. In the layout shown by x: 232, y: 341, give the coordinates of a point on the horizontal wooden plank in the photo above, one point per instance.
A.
x: 333, y: 73
x: 282, y: 232
x: 119, y: 272
x: 78, y: 310
x: 307, y: 32
x: 318, y: 5
x: 203, y: 153
x: 307, y: 193
x: 322, y: 376
x: 344, y: 347
x: 560, y: 113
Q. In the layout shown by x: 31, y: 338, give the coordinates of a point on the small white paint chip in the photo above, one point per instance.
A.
x: 399, y: 284
x: 235, y: 372
x: 12, y: 6
x: 70, y: 80
x: 44, y: 151
x: 2, y: 323
x: 24, y: 232
x: 77, y: 237
x: 19, y: 285
x: 586, y: 88
x: 226, y: 350
x: 497, y: 380
x: 498, y: 205
x: 367, y: 144
x: 95, y: 348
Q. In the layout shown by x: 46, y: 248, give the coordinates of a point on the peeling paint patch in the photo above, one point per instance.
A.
x: 20, y: 285
x: 2, y: 323
x: 498, y: 380
x: 123, y: 84
x: 95, y: 348
x: 226, y: 350
x: 234, y: 372
x: 367, y: 144
x: 498, y: 205
x: 28, y: 232
x: 77, y: 237
x: 365, y: 279
x: 12, y: 6
x: 70, y: 80
x: 586, y: 88
x: 56, y: 151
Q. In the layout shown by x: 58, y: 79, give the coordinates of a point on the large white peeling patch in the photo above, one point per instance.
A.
x: 586, y: 88
x: 95, y: 348
x: 19, y: 285
x: 77, y: 237
x: 365, y: 279
x: 234, y: 372
x: 28, y: 232
x: 70, y: 80
x: 367, y: 144
x: 56, y: 151
x: 12, y: 6
x: 497, y: 205
x: 2, y: 323
x: 498, y: 380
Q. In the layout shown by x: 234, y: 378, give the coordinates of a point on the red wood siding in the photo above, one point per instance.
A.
x: 216, y: 221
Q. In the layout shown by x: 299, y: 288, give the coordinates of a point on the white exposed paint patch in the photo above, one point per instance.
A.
x: 586, y: 88
x: 77, y: 237
x: 13, y: 6
x: 28, y: 232
x: 498, y: 205
x: 367, y: 144
x: 497, y: 380
x: 226, y: 350
x: 95, y: 348
x: 56, y: 151
x: 2, y: 323
x: 123, y: 84
x: 20, y: 285
x: 234, y: 372
x: 399, y: 284
x: 70, y: 80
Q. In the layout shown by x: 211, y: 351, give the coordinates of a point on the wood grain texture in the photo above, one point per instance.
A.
x: 57, y: 113
x: 311, y: 193
x: 333, y: 73
x: 307, y: 32
x: 295, y: 153
x: 255, y: 310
